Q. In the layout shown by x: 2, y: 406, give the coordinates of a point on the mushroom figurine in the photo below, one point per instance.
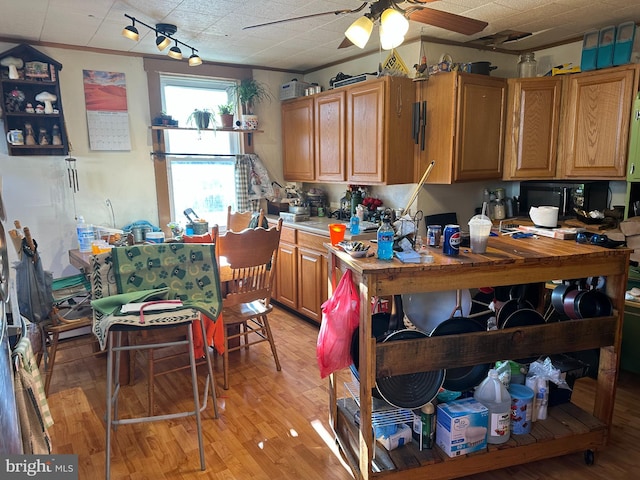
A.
x: 47, y: 98
x: 14, y: 64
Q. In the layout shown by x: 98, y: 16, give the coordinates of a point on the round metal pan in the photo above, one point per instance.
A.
x: 426, y: 310
x: 509, y: 307
x: 462, y: 378
x: 524, y: 317
x: 413, y: 390
x: 593, y: 303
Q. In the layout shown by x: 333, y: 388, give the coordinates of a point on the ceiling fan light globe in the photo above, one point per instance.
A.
x: 389, y: 39
x: 175, y: 52
x: 131, y: 33
x: 360, y: 31
x: 394, y: 21
x: 162, y: 42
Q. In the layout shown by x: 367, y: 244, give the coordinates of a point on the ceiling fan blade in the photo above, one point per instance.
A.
x: 345, y: 43
x: 448, y: 21
x: 333, y: 12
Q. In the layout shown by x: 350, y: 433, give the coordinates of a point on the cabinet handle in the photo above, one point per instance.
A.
x: 633, y: 167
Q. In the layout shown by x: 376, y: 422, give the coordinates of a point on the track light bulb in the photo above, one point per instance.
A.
x: 194, y: 59
x: 175, y: 52
x: 131, y: 32
x: 360, y: 31
x: 162, y: 42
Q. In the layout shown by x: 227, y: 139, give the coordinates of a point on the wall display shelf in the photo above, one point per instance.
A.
x: 24, y: 109
x: 508, y: 261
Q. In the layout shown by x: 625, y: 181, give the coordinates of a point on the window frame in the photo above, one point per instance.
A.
x: 154, y: 68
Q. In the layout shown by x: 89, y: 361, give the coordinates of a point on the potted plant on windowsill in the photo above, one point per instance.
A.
x: 226, y: 114
x: 248, y: 92
x: 200, y: 117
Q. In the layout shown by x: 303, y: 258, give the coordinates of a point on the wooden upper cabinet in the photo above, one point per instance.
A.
x: 464, y: 127
x: 531, y: 138
x: 379, y: 148
x: 298, y: 147
x: 595, y: 131
x: 329, y: 136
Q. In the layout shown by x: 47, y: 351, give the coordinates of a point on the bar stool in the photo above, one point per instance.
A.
x: 142, y: 275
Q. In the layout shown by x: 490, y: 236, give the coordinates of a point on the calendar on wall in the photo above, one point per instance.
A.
x: 105, y: 95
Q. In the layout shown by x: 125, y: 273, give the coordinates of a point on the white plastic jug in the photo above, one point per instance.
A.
x: 494, y: 395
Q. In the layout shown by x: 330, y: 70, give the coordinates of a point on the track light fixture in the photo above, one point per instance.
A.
x: 194, y: 59
x: 164, y: 37
x: 393, y: 25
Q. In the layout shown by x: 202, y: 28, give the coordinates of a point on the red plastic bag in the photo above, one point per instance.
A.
x: 340, y: 317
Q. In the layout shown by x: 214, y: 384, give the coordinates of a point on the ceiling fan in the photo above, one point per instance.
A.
x: 415, y: 10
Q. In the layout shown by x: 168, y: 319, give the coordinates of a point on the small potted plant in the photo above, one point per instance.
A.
x: 248, y: 92
x: 200, y: 117
x: 226, y: 114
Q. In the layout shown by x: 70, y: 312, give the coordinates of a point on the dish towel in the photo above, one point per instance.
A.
x: 33, y: 409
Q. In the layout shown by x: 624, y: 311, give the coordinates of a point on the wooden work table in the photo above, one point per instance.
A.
x: 507, y: 261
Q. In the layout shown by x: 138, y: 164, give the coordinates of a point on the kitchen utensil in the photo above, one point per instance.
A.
x: 412, y: 390
x: 428, y: 309
x: 482, y: 68
x: 418, y: 187
x: 558, y: 294
x: 592, y: 303
x: 462, y: 378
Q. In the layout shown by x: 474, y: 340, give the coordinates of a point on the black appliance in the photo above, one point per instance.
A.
x: 567, y: 196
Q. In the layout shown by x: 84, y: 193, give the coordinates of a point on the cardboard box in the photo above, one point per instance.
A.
x: 461, y: 427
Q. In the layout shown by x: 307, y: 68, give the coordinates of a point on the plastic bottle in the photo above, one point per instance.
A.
x: 427, y: 417
x: 495, y: 396
x: 385, y: 239
x: 85, y: 235
x: 355, y: 224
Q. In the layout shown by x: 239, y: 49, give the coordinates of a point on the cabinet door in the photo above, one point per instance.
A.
x: 480, y: 127
x: 298, y: 155
x: 365, y: 132
x: 633, y: 165
x: 330, y: 137
x: 286, y: 278
x: 312, y: 283
x: 531, y: 139
x: 596, y: 128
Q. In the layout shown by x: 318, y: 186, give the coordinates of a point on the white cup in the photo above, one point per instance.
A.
x: 479, y: 231
x: 15, y: 137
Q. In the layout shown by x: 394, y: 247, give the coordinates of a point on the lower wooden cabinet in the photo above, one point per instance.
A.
x: 301, y: 275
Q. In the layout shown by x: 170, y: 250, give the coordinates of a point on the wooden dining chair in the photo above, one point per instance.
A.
x: 238, y: 221
x: 252, y: 257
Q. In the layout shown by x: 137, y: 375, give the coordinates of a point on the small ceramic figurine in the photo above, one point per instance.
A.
x: 56, y: 138
x: 29, y: 108
x: 43, y: 138
x: 39, y: 108
x: 29, y: 135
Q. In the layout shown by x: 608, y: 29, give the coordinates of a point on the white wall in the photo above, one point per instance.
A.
x: 36, y: 189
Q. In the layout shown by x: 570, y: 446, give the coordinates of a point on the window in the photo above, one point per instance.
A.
x: 201, y: 166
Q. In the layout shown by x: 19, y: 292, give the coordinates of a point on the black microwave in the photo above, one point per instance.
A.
x: 567, y: 196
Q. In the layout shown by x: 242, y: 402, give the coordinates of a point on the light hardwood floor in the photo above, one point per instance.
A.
x: 272, y: 425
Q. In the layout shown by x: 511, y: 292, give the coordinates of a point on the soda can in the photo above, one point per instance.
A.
x: 451, y: 243
x: 434, y: 232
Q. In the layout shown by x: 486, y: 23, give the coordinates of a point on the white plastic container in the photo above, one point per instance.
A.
x: 85, y: 235
x: 494, y: 395
x: 154, y: 237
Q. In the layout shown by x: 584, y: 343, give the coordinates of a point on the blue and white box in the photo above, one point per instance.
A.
x: 462, y: 427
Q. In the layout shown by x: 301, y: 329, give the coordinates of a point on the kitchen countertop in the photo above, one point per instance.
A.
x: 320, y: 226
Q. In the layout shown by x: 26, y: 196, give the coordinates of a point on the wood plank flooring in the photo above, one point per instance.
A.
x: 272, y: 425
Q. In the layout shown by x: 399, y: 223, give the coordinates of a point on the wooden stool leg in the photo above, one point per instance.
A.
x: 51, y: 361
x: 267, y: 328
x: 150, y: 384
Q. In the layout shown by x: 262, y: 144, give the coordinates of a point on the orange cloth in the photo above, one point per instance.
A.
x: 215, y: 336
